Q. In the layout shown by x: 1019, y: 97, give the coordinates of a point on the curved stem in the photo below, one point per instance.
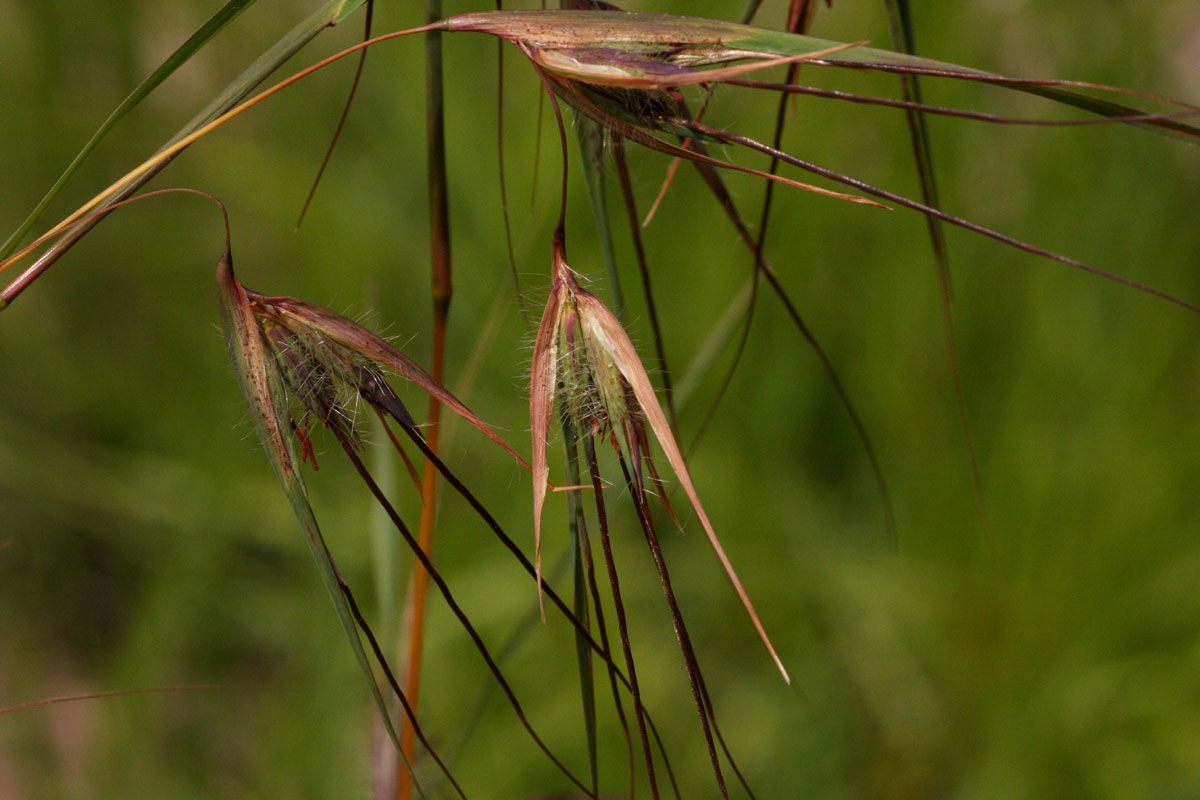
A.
x: 169, y: 152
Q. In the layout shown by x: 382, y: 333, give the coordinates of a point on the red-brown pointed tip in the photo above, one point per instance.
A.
x: 225, y: 276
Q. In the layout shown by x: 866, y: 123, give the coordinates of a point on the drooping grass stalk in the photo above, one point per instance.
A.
x: 319, y: 351
x: 345, y: 115
x: 597, y: 350
x: 266, y: 373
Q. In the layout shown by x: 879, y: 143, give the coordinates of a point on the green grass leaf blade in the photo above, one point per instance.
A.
x: 331, y: 580
x: 332, y: 12
x: 173, y: 62
x: 903, y: 39
x: 592, y: 151
x: 695, y: 42
x: 900, y: 21
x: 329, y: 14
x: 778, y: 43
x: 578, y: 532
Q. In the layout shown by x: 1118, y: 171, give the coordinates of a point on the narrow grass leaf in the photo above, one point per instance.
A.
x: 593, y: 146
x: 330, y: 13
x: 577, y: 530
x: 690, y: 42
x: 900, y: 19
x: 182, y: 54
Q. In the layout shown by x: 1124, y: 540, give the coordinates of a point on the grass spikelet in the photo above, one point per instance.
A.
x: 577, y: 321
x: 350, y: 344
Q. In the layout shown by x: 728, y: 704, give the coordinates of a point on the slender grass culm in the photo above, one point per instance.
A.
x: 849, y: 453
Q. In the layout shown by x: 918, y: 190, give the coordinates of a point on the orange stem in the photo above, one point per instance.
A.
x: 439, y: 233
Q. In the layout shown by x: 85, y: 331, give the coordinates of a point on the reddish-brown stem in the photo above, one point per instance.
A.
x: 690, y: 664
x: 420, y: 584
x: 341, y: 123
x: 555, y: 599
x: 73, y: 698
x: 455, y: 608
x: 619, y: 607
x: 22, y: 282
x: 439, y: 247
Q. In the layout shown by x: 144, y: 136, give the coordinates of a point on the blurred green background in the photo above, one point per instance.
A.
x: 144, y: 542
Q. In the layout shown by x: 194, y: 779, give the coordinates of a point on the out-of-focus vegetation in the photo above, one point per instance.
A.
x: 143, y: 541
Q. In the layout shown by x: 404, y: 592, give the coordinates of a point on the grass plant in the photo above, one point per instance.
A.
x: 957, y: 603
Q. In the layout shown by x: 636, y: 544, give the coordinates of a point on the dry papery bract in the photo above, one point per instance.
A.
x: 600, y: 363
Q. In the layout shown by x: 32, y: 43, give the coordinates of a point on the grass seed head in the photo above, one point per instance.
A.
x: 600, y: 353
x: 359, y: 358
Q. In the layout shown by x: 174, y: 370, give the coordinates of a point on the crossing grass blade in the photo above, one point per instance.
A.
x: 329, y: 14
x: 182, y: 54
x: 593, y: 148
x: 681, y: 46
x: 903, y: 39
